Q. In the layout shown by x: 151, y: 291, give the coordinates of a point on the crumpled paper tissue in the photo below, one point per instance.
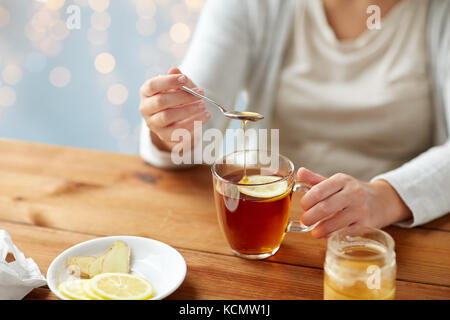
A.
x: 19, y: 277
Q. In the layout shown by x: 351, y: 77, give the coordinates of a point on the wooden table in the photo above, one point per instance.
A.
x: 54, y: 197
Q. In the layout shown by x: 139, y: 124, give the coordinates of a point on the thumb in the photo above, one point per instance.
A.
x: 174, y: 71
x: 307, y: 176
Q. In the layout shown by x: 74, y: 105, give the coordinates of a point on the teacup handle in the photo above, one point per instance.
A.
x: 296, y: 225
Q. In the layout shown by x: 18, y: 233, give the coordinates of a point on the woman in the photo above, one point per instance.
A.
x: 368, y: 108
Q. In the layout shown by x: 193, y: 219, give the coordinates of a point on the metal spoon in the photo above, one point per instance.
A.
x: 238, y: 115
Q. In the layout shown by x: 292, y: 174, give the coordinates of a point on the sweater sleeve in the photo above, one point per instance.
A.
x: 217, y: 61
x: 424, y: 185
x: 424, y: 182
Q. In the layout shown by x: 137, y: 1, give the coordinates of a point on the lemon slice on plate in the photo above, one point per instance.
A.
x: 121, y: 286
x: 74, y: 289
x: 263, y: 190
x: 88, y: 291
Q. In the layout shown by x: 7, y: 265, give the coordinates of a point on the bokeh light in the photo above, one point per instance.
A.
x: 179, y: 12
x: 81, y: 3
x: 12, y: 74
x: 105, y: 63
x: 46, y: 30
x: 54, y: 4
x: 194, y: 4
x: 50, y: 47
x: 59, y: 31
x: 180, y: 33
x: 100, y: 20
x: 33, y: 34
x: 99, y: 5
x: 145, y: 9
x: 7, y: 96
x: 4, y: 17
x: 117, y: 94
x: 60, y: 77
x: 42, y: 50
x: 162, y: 2
x: 41, y: 20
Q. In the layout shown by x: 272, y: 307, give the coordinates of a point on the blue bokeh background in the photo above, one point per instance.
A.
x: 138, y: 34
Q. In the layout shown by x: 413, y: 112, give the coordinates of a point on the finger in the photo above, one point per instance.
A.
x: 340, y: 220
x: 309, y: 177
x: 165, y: 82
x: 169, y: 116
x: 326, y: 208
x: 323, y: 190
x: 167, y: 100
x: 188, y: 125
x: 162, y: 83
x: 360, y: 223
x: 175, y: 70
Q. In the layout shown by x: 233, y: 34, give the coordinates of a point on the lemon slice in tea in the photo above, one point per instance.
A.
x: 263, y: 190
x: 121, y: 286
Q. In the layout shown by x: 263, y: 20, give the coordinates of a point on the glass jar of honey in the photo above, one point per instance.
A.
x: 360, y: 265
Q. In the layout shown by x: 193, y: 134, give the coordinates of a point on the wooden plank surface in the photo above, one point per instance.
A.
x: 209, y: 276
x: 81, y: 193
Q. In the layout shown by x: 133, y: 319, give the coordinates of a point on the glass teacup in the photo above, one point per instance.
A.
x: 254, y: 212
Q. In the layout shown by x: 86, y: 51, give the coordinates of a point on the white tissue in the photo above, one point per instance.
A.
x: 19, y: 277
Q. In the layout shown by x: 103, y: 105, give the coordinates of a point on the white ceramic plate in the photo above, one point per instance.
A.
x: 158, y: 262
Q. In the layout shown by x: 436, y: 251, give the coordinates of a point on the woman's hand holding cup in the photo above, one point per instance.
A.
x: 341, y: 200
